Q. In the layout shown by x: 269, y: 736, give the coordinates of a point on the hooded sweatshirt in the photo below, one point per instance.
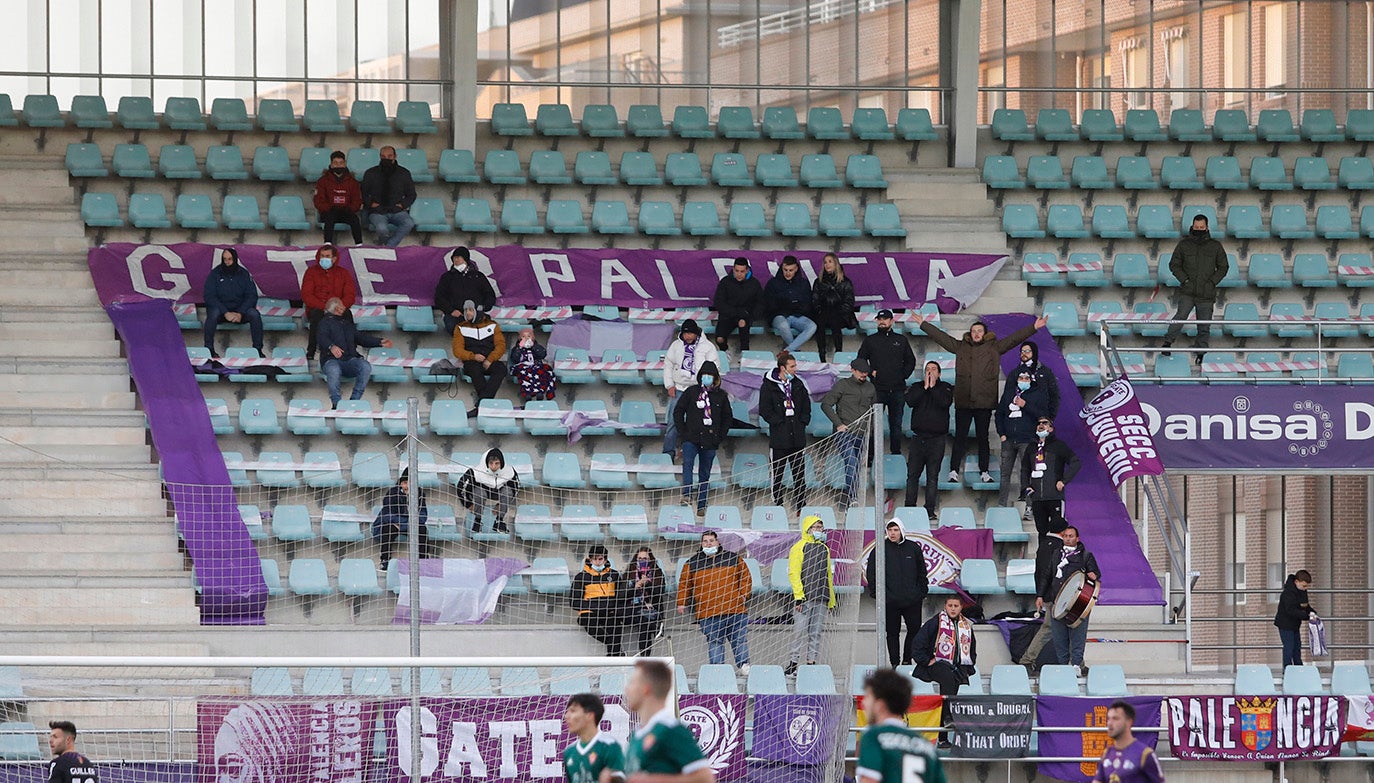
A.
x: 905, y: 567
x: 737, y: 299
x: 786, y: 406
x: 977, y: 364
x: 714, y: 585
x: 595, y: 591
x: 1017, y: 423
x: 334, y: 192
x: 478, y: 336
x: 682, y: 362
x: 230, y: 288
x: 319, y: 285
x: 703, y: 414
x: 1040, y: 376
x: 482, y: 477
x: 810, y: 569
x: 1293, y: 606
x: 456, y: 287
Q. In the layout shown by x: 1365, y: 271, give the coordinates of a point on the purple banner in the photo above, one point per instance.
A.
x: 455, y: 591
x: 1118, y: 428
x: 1280, y: 427
x: 538, y: 277
x: 1092, y: 503
x: 799, y: 729
x: 285, y: 740
x: 718, y: 723
x: 1255, y: 728
x: 1077, y: 712
x: 597, y: 337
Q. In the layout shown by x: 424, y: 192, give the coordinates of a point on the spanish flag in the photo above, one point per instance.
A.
x: 924, y: 713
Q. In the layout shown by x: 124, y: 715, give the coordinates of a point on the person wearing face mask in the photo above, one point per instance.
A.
x: 388, y: 191
x: 600, y: 607
x: 681, y: 365
x: 811, y: 572
x: 231, y: 295
x: 459, y: 283
x: 736, y: 303
x: 703, y: 420
x: 1023, y: 403
x: 892, y: 360
x: 528, y: 366
x: 715, y: 584
x: 479, y: 344
x: 1199, y: 262
x: 325, y: 280
x: 645, y: 585
x: 929, y: 399
x: 785, y: 403
x: 1047, y: 468
x: 905, y: 586
x: 338, y: 198
x: 846, y: 404
x: 1065, y: 561
x: 1040, y: 375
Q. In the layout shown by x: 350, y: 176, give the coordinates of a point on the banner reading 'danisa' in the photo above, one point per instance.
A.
x: 537, y: 277
x: 799, y: 729
x: 990, y: 727
x: 1118, y: 428
x: 1255, y: 728
x: 1089, y: 713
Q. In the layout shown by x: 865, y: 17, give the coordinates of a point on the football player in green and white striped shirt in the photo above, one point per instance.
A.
x: 595, y: 757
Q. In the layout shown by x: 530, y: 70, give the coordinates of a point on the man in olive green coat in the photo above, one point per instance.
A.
x: 1199, y: 263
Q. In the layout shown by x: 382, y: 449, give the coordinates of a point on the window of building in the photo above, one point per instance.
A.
x: 1275, y: 49
x: 1135, y: 70
x: 1235, y: 56
x: 1240, y: 535
x: 1100, y: 80
x: 994, y: 76
x: 1179, y: 70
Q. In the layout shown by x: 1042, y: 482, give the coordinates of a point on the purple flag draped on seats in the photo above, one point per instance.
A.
x: 455, y: 591
x: 597, y: 337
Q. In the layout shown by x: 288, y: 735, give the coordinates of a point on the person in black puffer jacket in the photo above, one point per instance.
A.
x: 832, y: 296
x: 703, y: 419
x: 1047, y: 468
x: 462, y: 281
x: 785, y: 403
x: 1294, y: 610
x: 231, y: 295
x: 890, y: 356
x: 737, y: 300
x: 906, y: 584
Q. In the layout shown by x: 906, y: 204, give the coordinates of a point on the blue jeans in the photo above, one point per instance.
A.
x: 795, y: 330
x: 704, y: 458
x: 390, y: 228
x: 335, y: 369
x: 214, y: 315
x: 1069, y: 642
x: 670, y: 438
x: 851, y: 449
x: 732, y: 628
x: 1292, y: 647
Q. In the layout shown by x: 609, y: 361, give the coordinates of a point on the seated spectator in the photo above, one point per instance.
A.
x: 325, y: 280
x: 393, y: 521
x: 462, y: 281
x: 490, y: 483
x: 736, y: 303
x: 946, y: 650
x: 787, y: 299
x: 231, y: 295
x: 530, y: 368
x: 645, y: 585
x: 340, y: 338
x: 339, y: 199
x: 832, y: 295
x: 388, y: 191
x: 600, y: 609
x: 479, y: 344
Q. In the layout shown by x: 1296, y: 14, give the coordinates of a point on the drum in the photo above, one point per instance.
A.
x: 1076, y: 599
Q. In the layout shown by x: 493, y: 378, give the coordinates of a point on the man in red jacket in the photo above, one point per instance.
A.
x: 325, y: 280
x: 338, y: 197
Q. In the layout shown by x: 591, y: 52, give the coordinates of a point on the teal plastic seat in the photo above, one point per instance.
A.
x: 474, y: 215
x: 645, y: 121
x: 519, y: 216
x: 1009, y: 680
x: 502, y: 167
x: 137, y: 113
x: 1334, y: 222
x: 1109, y: 221
x: 270, y: 164
x: 1311, y: 270
x: 1223, y: 173
x: 322, y: 116
x: 915, y: 125
x: 90, y: 111
x: 562, y: 470
x: 370, y: 469
x: 322, y: 470
x: 544, y: 427
x: 412, y: 117
x: 564, y: 216
x: 656, y: 218
x: 271, y: 680
x: 818, y: 171
x: 979, y: 577
x: 825, y: 123
x: 1041, y: 279
x: 241, y: 213
x: 1188, y: 125
x: 309, y: 577
x: 701, y: 218
x: 509, y: 119
x: 1303, y: 680
x: 230, y: 114
x: 554, y: 119
x: 1335, y: 311
x: 258, y: 416
x: 780, y: 123
x: 882, y: 220
x: 793, y: 219
x: 1065, y: 221
x: 364, y: 425
x: 1055, y: 125
x: 361, y: 159
x: 864, y: 171
x: 1089, y: 172
x: 812, y: 678
x: 1359, y: 124
x: 458, y: 167
x: 600, y: 121
x: 449, y: 418
x: 1266, y: 271
x: 774, y: 170
x: 1133, y: 173
x: 131, y: 161
x: 276, y: 115
x: 178, y: 161
x: 1269, y: 174
x: 1088, y: 278
x: 1243, y: 221
x: 1257, y: 357
x: 1355, y: 173
x: 611, y: 217
x: 1355, y: 280
x: 1213, y: 374
x: 1010, y: 125
x: 730, y: 170
x: 1350, y: 678
x: 1099, y: 125
x: 19, y: 742
x: 1355, y: 367
x: 313, y: 163
x: 747, y: 220
x: 1254, y: 679
x: 736, y: 122
x: 548, y: 167
x: 639, y: 169
x: 1059, y: 680
x: 837, y: 220
x: 148, y: 210
x: 1132, y: 270
x: 1276, y: 125
x: 291, y: 522
x: 1107, y: 681
x: 1312, y: 174
x: 870, y: 124
x: 225, y: 162
x: 1280, y: 326
x: 219, y: 416
x: 1179, y: 173
x: 1022, y: 220
x: 1154, y: 221
x: 1289, y: 221
x: 766, y: 678
x: 593, y: 167
x: 717, y: 678
x: 184, y: 114
x: 608, y: 471
x: 301, y: 424
x: 416, y: 162
x: 428, y: 214
x: 692, y: 122
x: 1001, y: 172
x: 85, y: 160
x: 41, y: 111
x: 683, y: 169
x: 1143, y: 125
x: 1063, y: 321
x: 1231, y: 125
x: 1046, y: 172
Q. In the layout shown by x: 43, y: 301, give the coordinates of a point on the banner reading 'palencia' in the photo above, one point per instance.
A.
x: 1255, y: 728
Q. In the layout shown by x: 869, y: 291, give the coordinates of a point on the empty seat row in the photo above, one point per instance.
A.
x: 1185, y: 125
x: 694, y: 122
x: 237, y: 212
x: 1156, y: 221
x: 137, y: 113
x: 682, y: 169
x: 1283, y: 319
x: 1263, y: 270
x: 225, y: 162
x: 1221, y: 172
x: 1103, y: 680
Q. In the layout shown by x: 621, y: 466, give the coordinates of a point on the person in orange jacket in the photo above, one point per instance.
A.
x: 325, y: 280
x: 339, y: 198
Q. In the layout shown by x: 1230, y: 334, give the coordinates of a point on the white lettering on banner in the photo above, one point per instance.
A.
x: 939, y: 270
x: 360, y: 256
x: 542, y: 273
x: 855, y: 261
x: 722, y: 265
x: 507, y: 731
x: 1359, y: 421
x: 464, y: 751
x: 483, y: 262
x: 180, y: 284
x: 1298, y: 723
x: 546, y: 759
x: 336, y: 741
x: 298, y: 259
x: 612, y: 272
x: 1307, y: 432
x: 898, y: 283
x: 429, y: 742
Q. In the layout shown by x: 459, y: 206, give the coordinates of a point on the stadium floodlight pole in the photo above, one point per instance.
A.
x: 879, y: 533
x: 413, y: 526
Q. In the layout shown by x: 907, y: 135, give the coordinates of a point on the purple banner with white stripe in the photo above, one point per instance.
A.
x: 1118, y: 428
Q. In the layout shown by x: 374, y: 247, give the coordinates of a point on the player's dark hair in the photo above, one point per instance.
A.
x: 65, y: 726
x: 784, y: 356
x: 890, y: 688
x: 1125, y: 707
x: 658, y: 677
x: 589, y: 702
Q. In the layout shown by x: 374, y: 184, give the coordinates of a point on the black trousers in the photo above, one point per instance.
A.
x: 727, y: 325
x: 898, y: 654
x: 312, y: 320
x: 836, y: 337
x: 487, y: 381
x: 979, y: 417
x: 895, y: 400
x: 339, y: 215
x: 389, y: 535
x: 605, y: 626
x: 1045, y: 512
x: 924, y: 454
x: 781, y: 461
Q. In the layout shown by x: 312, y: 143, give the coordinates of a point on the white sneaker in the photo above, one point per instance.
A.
x: 985, y: 477
x: 744, y: 670
x: 954, y: 476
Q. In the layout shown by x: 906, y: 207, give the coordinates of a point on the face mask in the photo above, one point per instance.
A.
x: 820, y: 537
x: 601, y: 567
x: 709, y: 550
x: 1023, y: 385
x: 326, y: 263
x: 388, y: 164
x: 1042, y: 434
x: 707, y: 380
x: 460, y: 268
x: 1201, y: 233
x: 339, y: 172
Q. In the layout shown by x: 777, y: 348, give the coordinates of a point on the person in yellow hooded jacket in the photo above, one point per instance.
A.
x: 811, y: 571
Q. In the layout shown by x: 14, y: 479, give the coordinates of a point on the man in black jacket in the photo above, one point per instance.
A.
x: 1200, y: 264
x: 1040, y: 376
x: 893, y: 362
x: 461, y: 282
x: 906, y: 583
x: 787, y: 298
x: 703, y: 420
x: 1293, y: 611
x: 1048, y: 467
x: 929, y: 400
x: 339, y: 339
x: 388, y: 192
x: 785, y: 403
x: 736, y: 304
x: 1067, y: 559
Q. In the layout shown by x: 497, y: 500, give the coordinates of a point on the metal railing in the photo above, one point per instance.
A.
x: 815, y: 12
x: 1267, y: 618
x: 1204, y: 99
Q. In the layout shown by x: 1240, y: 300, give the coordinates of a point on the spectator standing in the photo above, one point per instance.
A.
x: 714, y: 584
x: 462, y: 282
x: 976, y: 370
x: 736, y: 303
x: 811, y: 571
x: 493, y: 483
x: 339, y: 339
x: 890, y: 356
x: 479, y: 344
x: 338, y: 198
x: 906, y: 584
x: 929, y: 400
x: 393, y: 521
x: 785, y: 403
x: 946, y: 652
x: 1074, y: 557
x: 321, y: 282
x: 1024, y: 402
x: 530, y: 368
x: 1046, y: 561
x: 1294, y: 610
x: 1040, y: 375
x: 646, y: 586
x: 703, y: 419
x: 1047, y: 467
x: 1199, y: 262
x: 681, y: 365
x: 846, y: 404
x: 787, y: 300
x: 599, y: 605
x: 832, y: 296
x: 232, y: 296
x: 388, y: 191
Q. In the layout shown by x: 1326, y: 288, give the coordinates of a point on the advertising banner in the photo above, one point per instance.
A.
x: 1255, y: 728
x: 798, y: 729
x: 1091, y: 713
x: 990, y: 727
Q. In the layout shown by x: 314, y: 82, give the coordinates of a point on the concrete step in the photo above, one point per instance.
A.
x: 39, y: 293
x: 56, y: 347
x: 92, y: 318
x: 98, y: 601
x: 110, y: 456
x: 21, y: 522
x: 67, y: 400
x: 45, y: 278
x: 45, y: 221
x: 38, y: 243
x: 14, y: 330
x: 60, y: 558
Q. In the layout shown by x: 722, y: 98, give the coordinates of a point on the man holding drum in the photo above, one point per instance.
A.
x: 1070, y: 632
